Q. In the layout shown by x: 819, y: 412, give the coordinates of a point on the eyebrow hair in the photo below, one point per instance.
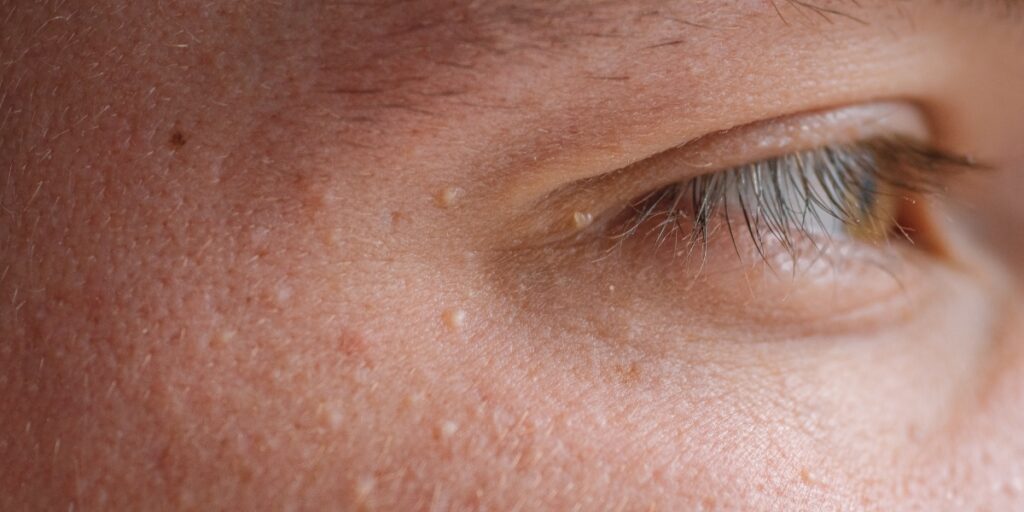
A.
x: 826, y: 10
x: 561, y: 19
x: 459, y: 34
x: 482, y: 23
x: 997, y: 8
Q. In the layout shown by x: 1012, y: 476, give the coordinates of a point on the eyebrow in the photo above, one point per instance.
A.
x: 460, y: 34
x: 549, y: 25
x: 526, y: 13
x: 489, y: 24
x: 842, y: 8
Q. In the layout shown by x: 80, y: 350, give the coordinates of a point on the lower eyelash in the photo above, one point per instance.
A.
x: 851, y: 189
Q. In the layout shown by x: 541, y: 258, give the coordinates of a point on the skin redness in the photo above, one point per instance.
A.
x: 647, y: 255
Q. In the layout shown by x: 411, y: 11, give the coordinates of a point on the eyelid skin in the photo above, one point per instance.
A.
x: 790, y: 134
x: 553, y: 214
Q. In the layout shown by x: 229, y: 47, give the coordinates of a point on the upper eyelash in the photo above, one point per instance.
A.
x: 781, y: 197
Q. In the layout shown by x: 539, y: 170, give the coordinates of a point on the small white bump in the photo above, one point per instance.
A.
x: 364, y: 487
x: 581, y: 220
x: 335, y: 418
x: 448, y: 429
x: 284, y: 294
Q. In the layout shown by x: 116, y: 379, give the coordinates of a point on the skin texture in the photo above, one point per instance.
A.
x: 273, y: 255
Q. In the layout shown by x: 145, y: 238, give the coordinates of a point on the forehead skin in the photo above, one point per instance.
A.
x: 224, y: 266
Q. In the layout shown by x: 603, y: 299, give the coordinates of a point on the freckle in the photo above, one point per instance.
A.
x: 581, y: 220
x: 629, y: 374
x: 397, y: 219
x: 450, y: 196
x: 455, y: 319
x: 806, y: 478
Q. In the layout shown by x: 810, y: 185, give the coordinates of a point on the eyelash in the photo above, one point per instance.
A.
x: 784, y: 198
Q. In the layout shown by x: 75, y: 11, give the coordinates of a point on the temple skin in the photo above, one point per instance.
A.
x: 265, y: 256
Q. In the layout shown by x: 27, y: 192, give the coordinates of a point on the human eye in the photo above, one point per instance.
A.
x: 872, y: 191
x: 826, y: 218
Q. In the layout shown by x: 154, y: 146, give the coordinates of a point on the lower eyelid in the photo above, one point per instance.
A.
x: 845, y: 289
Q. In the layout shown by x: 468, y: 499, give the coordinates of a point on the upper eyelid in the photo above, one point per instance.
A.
x: 902, y: 150
x: 766, y: 138
x: 537, y: 213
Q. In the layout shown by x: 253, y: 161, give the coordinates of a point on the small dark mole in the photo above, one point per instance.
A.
x: 398, y: 218
x: 178, y: 139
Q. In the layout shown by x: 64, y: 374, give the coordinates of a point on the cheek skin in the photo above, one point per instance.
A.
x: 203, y: 310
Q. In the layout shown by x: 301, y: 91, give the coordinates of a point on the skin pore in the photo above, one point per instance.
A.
x: 299, y: 255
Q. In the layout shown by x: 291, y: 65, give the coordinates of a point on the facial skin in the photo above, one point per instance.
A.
x: 293, y: 255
